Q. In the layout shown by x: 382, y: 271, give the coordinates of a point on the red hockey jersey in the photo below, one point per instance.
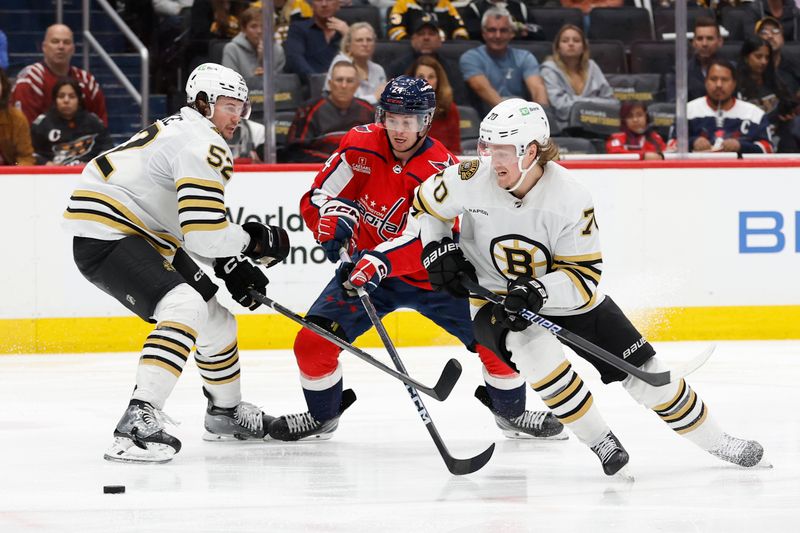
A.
x: 364, y: 169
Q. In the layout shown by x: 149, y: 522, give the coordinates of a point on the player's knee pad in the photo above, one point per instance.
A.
x: 534, y: 352
x: 494, y: 365
x: 183, y: 305
x: 647, y: 394
x: 315, y: 355
x: 219, y: 332
x: 491, y: 334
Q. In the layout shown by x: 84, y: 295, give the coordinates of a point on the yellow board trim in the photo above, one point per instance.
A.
x: 407, y: 328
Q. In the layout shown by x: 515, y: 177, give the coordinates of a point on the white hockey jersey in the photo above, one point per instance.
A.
x: 166, y: 184
x: 549, y: 234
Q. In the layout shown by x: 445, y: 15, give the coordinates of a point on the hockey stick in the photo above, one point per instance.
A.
x: 456, y: 466
x: 657, y: 379
x: 440, y: 391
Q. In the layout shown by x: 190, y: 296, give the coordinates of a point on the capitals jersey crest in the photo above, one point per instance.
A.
x: 365, y: 170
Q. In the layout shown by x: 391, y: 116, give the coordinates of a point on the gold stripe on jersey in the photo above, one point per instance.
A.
x: 422, y: 205
x: 182, y: 328
x: 667, y: 406
x: 560, y: 371
x: 119, y: 218
x: 696, y: 423
x: 168, y: 347
x: 584, y: 271
x: 199, y: 183
x: 685, y: 412
x: 220, y: 368
x: 578, y: 412
x: 201, y: 205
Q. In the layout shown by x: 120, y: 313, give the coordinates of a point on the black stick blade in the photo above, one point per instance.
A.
x: 460, y: 467
x: 448, y: 380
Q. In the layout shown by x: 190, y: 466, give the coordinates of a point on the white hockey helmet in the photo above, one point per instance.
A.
x: 214, y: 81
x: 515, y: 122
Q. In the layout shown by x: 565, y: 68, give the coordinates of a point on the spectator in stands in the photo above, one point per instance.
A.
x: 785, y: 11
x: 405, y: 12
x: 34, y: 87
x: 494, y: 71
x: 318, y: 126
x: 523, y: 19
x: 68, y: 134
x: 15, y: 135
x: 706, y: 43
x: 587, y: 5
x: 759, y: 84
x: 285, y: 12
x: 212, y: 20
x: 636, y: 137
x: 313, y: 43
x: 770, y: 30
x: 245, y: 53
x: 426, y: 39
x: 446, y: 127
x: 719, y: 122
x: 571, y: 76
x: 358, y: 46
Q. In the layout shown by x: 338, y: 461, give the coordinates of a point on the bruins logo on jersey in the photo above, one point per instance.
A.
x: 517, y: 255
x: 467, y: 169
x: 168, y: 266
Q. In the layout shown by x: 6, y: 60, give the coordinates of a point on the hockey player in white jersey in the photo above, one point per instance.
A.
x: 528, y: 231
x: 137, y: 211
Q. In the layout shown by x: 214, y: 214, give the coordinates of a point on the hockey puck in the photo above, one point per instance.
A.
x: 113, y: 489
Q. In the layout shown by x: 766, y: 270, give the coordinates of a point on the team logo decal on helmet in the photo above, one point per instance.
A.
x: 405, y: 95
x: 213, y: 81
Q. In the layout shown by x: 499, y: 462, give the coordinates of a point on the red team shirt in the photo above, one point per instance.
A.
x: 364, y: 169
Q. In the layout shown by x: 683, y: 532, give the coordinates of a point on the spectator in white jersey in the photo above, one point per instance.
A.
x: 137, y: 213
x: 531, y: 236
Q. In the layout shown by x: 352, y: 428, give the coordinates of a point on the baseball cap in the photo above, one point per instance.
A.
x: 420, y: 20
x: 768, y: 20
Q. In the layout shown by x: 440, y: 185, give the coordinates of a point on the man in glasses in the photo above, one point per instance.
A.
x: 137, y: 211
x: 495, y: 71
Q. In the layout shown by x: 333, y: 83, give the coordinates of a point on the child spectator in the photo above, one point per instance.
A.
x: 15, y: 137
x: 636, y: 136
x: 446, y: 120
x: 68, y: 134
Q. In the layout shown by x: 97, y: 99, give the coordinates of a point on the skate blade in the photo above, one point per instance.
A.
x: 214, y: 437
x: 125, y: 451
x: 519, y: 435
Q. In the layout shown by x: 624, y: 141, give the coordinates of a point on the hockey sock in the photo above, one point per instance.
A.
x: 163, y: 357
x: 678, y: 405
x: 507, y: 394
x: 568, y: 397
x: 220, y: 372
x: 324, y: 394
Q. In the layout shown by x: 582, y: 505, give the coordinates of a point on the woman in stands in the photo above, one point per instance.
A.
x: 68, y: 134
x: 636, y: 136
x: 570, y: 76
x: 446, y: 120
x: 759, y: 84
x: 358, y: 46
x: 15, y: 137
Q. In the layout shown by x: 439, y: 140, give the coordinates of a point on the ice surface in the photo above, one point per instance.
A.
x: 381, y: 471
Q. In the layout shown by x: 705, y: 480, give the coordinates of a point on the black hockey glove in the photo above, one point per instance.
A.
x: 523, y: 293
x: 444, y: 262
x: 240, y: 276
x: 268, y: 245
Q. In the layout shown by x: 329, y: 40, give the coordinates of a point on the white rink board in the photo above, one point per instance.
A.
x: 670, y: 236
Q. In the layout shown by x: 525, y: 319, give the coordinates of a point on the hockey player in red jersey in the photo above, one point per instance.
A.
x: 360, y: 200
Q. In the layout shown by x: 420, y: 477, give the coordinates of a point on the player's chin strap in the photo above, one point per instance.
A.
x: 524, y: 172
x: 456, y: 466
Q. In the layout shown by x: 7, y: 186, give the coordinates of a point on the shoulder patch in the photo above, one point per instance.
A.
x: 467, y: 169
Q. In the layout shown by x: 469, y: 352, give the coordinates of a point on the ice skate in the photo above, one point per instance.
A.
x: 746, y: 453
x: 243, y: 422
x: 303, y: 426
x: 140, y: 436
x: 612, y: 455
x: 529, y: 425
